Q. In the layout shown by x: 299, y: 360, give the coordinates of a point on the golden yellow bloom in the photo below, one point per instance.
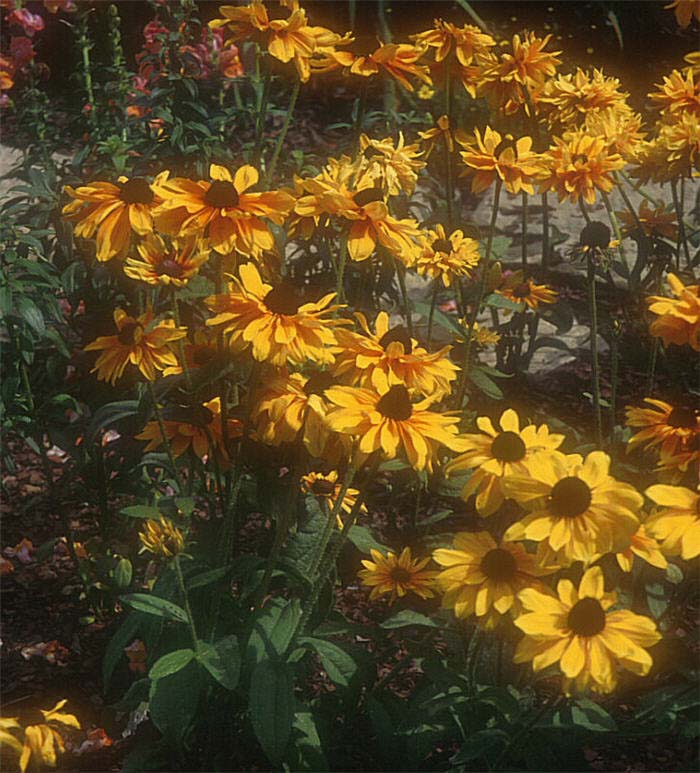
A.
x: 492, y: 156
x: 399, y: 60
x: 328, y: 488
x: 679, y: 462
x: 197, y: 428
x: 160, y: 265
x: 390, y: 422
x: 620, y: 129
x: 391, y: 356
x: 483, y: 578
x: 273, y: 321
x: 397, y: 575
x: 112, y: 212
x: 578, y: 165
x: 198, y: 354
x: 643, y: 546
x: 243, y: 22
x: 655, y: 223
x: 685, y: 11
x: 441, y: 132
x: 391, y: 166
x: 577, y: 631
x: 425, y: 92
x: 485, y: 336
x: 39, y: 742
x: 467, y: 41
x: 444, y: 257
x: 678, y: 319
x: 162, y: 538
x: 520, y: 290
x: 672, y: 428
x: 577, y: 508
x: 678, y: 92
x: 231, y: 216
x: 680, y: 138
x: 494, y: 455
x: 677, y: 524
x: 139, y: 342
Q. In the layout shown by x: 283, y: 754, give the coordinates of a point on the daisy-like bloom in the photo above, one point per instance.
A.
x: 576, y: 508
x: 685, y: 11
x: 328, y: 488
x: 440, y: 133
x: 445, y: 257
x: 390, y: 355
x: 678, y: 319
x: 621, y: 130
x: 579, y: 165
x: 483, y: 578
x: 495, y: 454
x: 680, y: 91
x: 520, y: 290
x: 399, y: 60
x: 467, y: 42
x: 680, y: 138
x: 160, y: 265
x: 273, y: 321
x: 140, y: 342
x: 425, y: 92
x: 397, y: 575
x: 231, y: 216
x: 198, y: 354
x: 491, y: 155
x: 671, y: 428
x: 643, y: 546
x: 577, y: 631
x: 161, y: 538
x: 485, y: 336
x: 391, y: 166
x: 388, y: 421
x: 40, y: 740
x: 678, y: 463
x: 677, y: 524
x: 197, y: 428
x: 111, y: 212
x: 243, y: 22
x: 656, y: 223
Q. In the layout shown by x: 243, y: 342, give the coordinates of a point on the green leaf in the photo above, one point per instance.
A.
x: 272, y: 707
x: 362, y: 538
x: 339, y: 666
x: 171, y: 663
x: 496, y: 301
x: 407, y: 617
x: 109, y: 414
x: 477, y: 744
x: 152, y: 605
x: 123, y: 573
x: 484, y: 383
x: 657, y: 599
x: 307, y: 744
x: 222, y: 660
x: 674, y: 574
x: 208, y: 578
x: 273, y: 629
x: 28, y: 311
x: 141, y: 511
x: 590, y: 715
x: 173, y: 702
x: 124, y: 635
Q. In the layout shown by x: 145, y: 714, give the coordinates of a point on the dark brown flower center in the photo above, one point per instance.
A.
x: 283, y: 299
x: 582, y: 157
x: 221, y: 194
x: 595, y: 235
x: 522, y: 290
x: 197, y: 415
x: 367, y: 195
x: 442, y: 245
x: 508, y: 447
x: 202, y: 355
x: 507, y: 142
x: 400, y: 334
x: 323, y: 488
x: 170, y: 267
x: 587, y: 617
x: 683, y: 417
x: 130, y: 333
x: 318, y: 383
x: 136, y: 191
x: 396, y: 404
x: 570, y: 497
x: 399, y: 574
x: 372, y: 152
x: 499, y: 565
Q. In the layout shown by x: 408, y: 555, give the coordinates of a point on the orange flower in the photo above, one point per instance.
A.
x: 679, y: 92
x: 672, y: 428
x: 678, y: 319
x: 685, y: 11
x: 160, y: 265
x: 397, y: 59
x: 520, y: 290
x: 467, y: 41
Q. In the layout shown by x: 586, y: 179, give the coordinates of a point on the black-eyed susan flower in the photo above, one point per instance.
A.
x: 655, y: 223
x: 520, y: 290
x: 390, y: 355
x: 328, y: 488
x: 621, y: 130
x: 388, y: 421
x: 112, y: 212
x: 445, y: 258
x: 677, y: 319
x: 494, y: 454
x: 671, y: 428
x: 483, y: 578
x: 391, y: 165
x: 467, y: 42
x: 161, y: 264
x: 576, y: 507
x: 274, y: 322
x: 223, y: 208
x: 576, y: 630
x: 140, y: 341
x: 643, y: 546
x: 680, y: 91
x: 399, y: 60
x: 37, y: 739
x: 162, y: 538
x: 677, y: 524
x: 397, y: 575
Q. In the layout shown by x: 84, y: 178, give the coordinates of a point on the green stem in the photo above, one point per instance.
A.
x: 614, y: 369
x: 651, y: 371
x: 640, y: 189
x: 615, y: 225
x: 360, y: 108
x: 285, y: 128
x: 545, y: 232
x: 594, y: 350
x: 161, y: 428
x: 340, y: 271
x: 523, y: 232
x: 185, y: 598
x: 431, y: 314
x: 405, y: 660
x: 449, y: 179
x: 260, y: 122
x: 682, y: 238
x: 401, y: 275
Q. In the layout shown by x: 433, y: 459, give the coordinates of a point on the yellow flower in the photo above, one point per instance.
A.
x: 139, y: 342
x: 577, y: 631
x: 160, y: 265
x: 425, y: 92
x: 111, y: 212
x: 40, y: 741
x: 444, y: 257
x: 483, y: 578
x: 162, y: 538
x: 391, y: 166
x: 397, y: 575
x: 578, y: 165
x: 655, y: 223
x: 243, y: 22
x: 328, y: 488
x: 390, y: 355
x: 467, y: 42
x: 223, y: 208
x: 520, y: 290
x: 671, y: 427
x: 577, y: 508
x: 643, y: 546
x: 387, y: 421
x: 678, y: 319
x: 273, y: 321
x: 440, y: 132
x: 496, y: 454
x: 685, y: 11
x: 197, y: 428
x: 677, y: 524
x: 397, y: 59
x: 621, y: 130
x: 678, y: 92
x: 493, y: 156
